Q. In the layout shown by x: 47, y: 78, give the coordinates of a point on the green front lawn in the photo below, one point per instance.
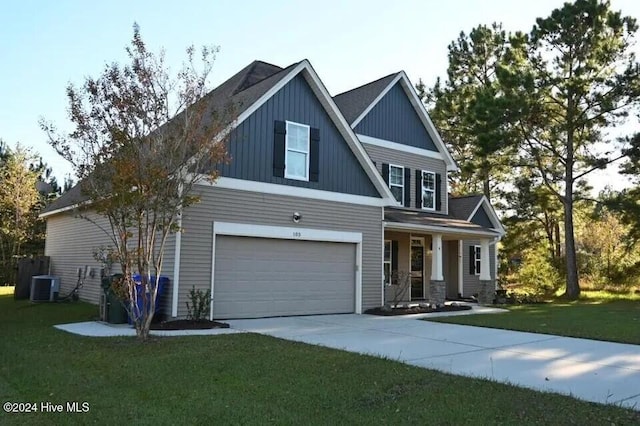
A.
x: 597, y: 315
x: 245, y: 379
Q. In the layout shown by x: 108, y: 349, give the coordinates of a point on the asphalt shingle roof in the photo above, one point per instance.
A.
x: 416, y: 217
x: 353, y: 102
x: 462, y: 207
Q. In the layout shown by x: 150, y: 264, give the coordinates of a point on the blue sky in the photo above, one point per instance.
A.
x: 44, y: 45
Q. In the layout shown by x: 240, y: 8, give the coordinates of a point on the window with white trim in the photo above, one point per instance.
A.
x: 428, y: 190
x: 396, y: 182
x: 297, y: 151
x: 386, y: 264
x: 477, y: 259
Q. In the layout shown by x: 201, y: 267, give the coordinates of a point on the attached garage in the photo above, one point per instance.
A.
x: 258, y: 277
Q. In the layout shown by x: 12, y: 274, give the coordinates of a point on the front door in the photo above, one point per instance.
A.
x: 417, y: 269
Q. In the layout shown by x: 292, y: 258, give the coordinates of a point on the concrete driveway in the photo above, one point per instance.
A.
x: 586, y: 369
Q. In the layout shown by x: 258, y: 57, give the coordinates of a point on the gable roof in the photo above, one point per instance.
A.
x: 361, y: 100
x: 465, y: 208
x: 240, y: 90
x: 246, y: 91
x: 462, y: 207
x: 305, y: 69
x: 353, y: 102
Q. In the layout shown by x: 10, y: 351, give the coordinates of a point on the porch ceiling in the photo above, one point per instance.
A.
x: 408, y: 220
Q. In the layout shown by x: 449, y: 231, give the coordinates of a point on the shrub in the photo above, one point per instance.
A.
x: 537, y: 275
x: 200, y: 304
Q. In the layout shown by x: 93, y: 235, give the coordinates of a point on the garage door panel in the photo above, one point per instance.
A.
x: 257, y: 277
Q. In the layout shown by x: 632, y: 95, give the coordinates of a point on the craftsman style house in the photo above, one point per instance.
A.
x: 325, y: 203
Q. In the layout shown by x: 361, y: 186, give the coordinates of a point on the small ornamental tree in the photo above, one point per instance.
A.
x: 141, y: 139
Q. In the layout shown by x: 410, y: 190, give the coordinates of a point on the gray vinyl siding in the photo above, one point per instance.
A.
x: 404, y: 262
x: 70, y: 244
x: 251, y: 144
x: 471, y: 283
x: 450, y: 266
x: 482, y: 218
x: 394, y: 119
x: 228, y: 205
x: 381, y: 155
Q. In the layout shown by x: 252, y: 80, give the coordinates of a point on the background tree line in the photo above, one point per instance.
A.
x: 27, y: 185
x: 530, y: 116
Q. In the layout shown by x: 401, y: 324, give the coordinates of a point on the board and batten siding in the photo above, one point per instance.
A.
x: 471, y: 283
x: 381, y: 155
x: 250, y: 145
x: 70, y: 244
x: 394, y: 119
x: 228, y: 205
x: 482, y: 218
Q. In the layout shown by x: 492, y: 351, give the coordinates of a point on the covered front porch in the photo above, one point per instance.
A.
x: 430, y: 259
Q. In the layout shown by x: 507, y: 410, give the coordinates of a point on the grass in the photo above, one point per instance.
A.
x: 596, y: 315
x: 245, y: 379
x: 6, y: 290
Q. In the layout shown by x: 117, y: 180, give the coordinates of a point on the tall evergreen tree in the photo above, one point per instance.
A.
x: 627, y: 202
x: 467, y: 111
x: 566, y: 82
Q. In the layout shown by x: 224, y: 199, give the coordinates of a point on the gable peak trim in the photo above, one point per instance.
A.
x: 490, y: 211
x: 420, y: 109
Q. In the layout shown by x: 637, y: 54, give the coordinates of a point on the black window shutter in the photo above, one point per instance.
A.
x: 472, y: 260
x: 279, y: 133
x: 314, y: 154
x: 394, y: 261
x: 418, y: 189
x: 385, y: 173
x: 438, y: 192
x: 478, y: 254
x: 407, y: 187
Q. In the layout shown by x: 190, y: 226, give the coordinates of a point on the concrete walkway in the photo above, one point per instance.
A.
x: 586, y: 369
x: 101, y: 329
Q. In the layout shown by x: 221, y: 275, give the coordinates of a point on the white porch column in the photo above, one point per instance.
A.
x: 461, y: 267
x: 436, y: 257
x: 485, y: 266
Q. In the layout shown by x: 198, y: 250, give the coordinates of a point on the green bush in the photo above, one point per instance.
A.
x: 198, y: 309
x: 537, y: 274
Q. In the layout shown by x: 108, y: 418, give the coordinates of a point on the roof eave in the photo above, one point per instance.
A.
x: 440, y: 229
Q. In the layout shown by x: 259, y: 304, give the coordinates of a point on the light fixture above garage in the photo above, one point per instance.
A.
x: 297, y: 217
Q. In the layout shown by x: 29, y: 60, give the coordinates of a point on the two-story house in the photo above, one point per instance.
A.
x: 324, y: 199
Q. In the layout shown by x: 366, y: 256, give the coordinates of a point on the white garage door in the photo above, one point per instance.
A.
x: 262, y: 277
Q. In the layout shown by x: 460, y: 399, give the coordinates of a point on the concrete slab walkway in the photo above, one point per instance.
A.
x: 101, y: 329
x: 586, y: 369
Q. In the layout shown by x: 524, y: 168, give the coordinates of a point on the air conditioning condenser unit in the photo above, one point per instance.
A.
x: 44, y: 288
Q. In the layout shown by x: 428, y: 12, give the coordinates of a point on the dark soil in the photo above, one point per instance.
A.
x: 416, y: 310
x: 185, y: 324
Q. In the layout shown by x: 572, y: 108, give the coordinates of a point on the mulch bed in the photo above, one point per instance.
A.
x: 188, y: 325
x: 416, y: 310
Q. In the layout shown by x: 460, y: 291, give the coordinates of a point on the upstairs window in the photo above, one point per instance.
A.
x: 297, y: 151
x: 428, y: 190
x: 396, y: 182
